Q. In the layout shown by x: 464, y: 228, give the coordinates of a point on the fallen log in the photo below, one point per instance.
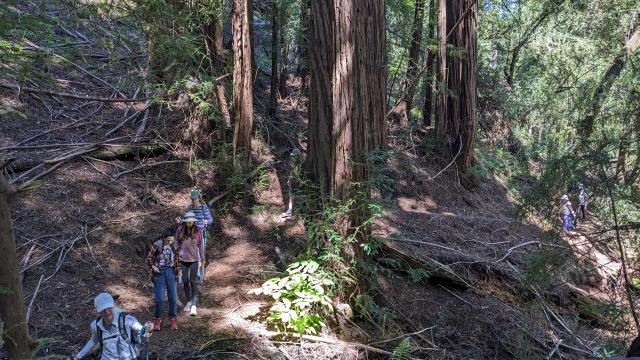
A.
x: 99, y: 151
x: 438, y: 272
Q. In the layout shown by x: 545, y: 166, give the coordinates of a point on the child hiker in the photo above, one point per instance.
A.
x: 204, y: 219
x: 190, y: 255
x: 583, y: 201
x: 567, y: 214
x: 114, y: 334
x: 163, y: 262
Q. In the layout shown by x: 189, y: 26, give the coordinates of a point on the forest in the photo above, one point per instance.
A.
x: 319, y: 179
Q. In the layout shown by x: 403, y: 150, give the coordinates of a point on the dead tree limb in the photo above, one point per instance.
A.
x: 68, y: 95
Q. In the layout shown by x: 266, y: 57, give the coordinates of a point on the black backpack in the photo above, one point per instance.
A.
x: 131, y: 338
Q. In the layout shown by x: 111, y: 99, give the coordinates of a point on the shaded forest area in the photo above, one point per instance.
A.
x: 385, y: 176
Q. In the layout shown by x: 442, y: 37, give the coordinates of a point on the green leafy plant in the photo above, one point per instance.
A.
x: 402, y: 351
x: 301, y: 297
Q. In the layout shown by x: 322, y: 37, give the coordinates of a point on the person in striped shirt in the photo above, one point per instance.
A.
x: 204, y: 219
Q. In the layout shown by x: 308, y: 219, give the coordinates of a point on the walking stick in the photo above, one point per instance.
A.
x: 147, y: 336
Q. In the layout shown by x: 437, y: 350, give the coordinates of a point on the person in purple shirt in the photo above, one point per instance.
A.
x: 204, y: 219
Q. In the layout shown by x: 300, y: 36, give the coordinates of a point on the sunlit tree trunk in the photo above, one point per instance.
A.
x: 347, y: 95
x: 457, y: 75
x: 242, y: 109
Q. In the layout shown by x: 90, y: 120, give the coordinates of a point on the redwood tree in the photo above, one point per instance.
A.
x: 15, y: 334
x: 347, y: 99
x: 275, y: 45
x: 427, y: 110
x: 242, y: 109
x: 403, y: 107
x: 457, y: 76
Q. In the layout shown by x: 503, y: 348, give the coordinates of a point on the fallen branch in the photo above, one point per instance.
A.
x: 121, y: 124
x: 147, y: 165
x: 436, y: 269
x: 515, y: 247
x: 33, y: 298
x: 220, y: 196
x: 68, y: 95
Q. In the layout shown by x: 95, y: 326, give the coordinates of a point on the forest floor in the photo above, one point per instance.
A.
x: 86, y: 228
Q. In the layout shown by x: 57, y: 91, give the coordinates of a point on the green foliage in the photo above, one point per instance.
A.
x: 403, y: 350
x: 301, y: 297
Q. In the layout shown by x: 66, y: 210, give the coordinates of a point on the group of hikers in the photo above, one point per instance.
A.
x: 176, y: 257
x: 568, y: 214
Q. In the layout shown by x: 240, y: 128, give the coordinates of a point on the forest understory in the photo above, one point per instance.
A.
x: 460, y: 264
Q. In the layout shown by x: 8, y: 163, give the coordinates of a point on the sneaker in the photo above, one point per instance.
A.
x: 194, y: 312
x: 187, y: 307
x: 173, y: 323
x: 157, y: 323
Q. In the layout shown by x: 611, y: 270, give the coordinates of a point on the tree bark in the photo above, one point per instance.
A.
x: 284, y: 53
x: 621, y: 168
x: 220, y: 60
x: 403, y: 107
x: 275, y: 45
x: 242, y: 109
x: 427, y: 111
x: 347, y: 108
x: 303, y: 38
x: 16, y: 335
x: 457, y: 102
x: 604, y: 86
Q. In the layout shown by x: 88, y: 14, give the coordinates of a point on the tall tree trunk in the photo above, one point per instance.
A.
x: 602, y: 90
x: 427, y: 111
x: 347, y: 106
x: 457, y: 102
x: 275, y: 45
x: 219, y: 65
x: 403, y: 108
x: 242, y: 109
x: 303, y: 38
x: 284, y: 53
x: 15, y: 334
x: 254, y: 65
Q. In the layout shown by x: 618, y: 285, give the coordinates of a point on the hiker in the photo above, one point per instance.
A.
x: 114, y: 334
x: 567, y: 214
x: 163, y: 262
x: 190, y: 255
x: 204, y: 219
x: 583, y: 201
x: 296, y: 158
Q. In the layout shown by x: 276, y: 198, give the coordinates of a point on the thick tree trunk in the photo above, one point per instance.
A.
x: 602, y: 90
x: 220, y: 61
x: 403, y: 108
x: 427, y: 111
x: 275, y: 45
x: 242, y: 109
x: 457, y: 102
x: 16, y: 335
x: 347, y: 107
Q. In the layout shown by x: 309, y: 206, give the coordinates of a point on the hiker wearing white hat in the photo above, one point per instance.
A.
x: 115, y: 334
x: 190, y: 255
x: 567, y: 214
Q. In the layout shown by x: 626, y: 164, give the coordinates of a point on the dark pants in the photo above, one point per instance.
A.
x: 190, y: 281
x: 582, y: 209
x: 165, y: 279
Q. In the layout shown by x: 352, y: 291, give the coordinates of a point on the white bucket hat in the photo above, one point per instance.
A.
x: 564, y: 197
x: 103, y: 301
x: 189, y: 216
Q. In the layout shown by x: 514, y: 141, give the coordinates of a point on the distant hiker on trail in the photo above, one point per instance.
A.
x: 567, y: 214
x: 163, y: 262
x: 190, y: 255
x: 114, y: 334
x: 204, y: 219
x: 296, y: 158
x: 583, y: 201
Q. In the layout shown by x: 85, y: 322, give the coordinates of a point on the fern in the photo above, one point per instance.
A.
x: 402, y: 351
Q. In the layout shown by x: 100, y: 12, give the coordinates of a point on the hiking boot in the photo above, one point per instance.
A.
x: 194, y: 312
x: 187, y: 307
x: 173, y: 323
x: 157, y: 323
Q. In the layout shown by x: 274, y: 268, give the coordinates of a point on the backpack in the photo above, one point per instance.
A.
x: 133, y: 339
